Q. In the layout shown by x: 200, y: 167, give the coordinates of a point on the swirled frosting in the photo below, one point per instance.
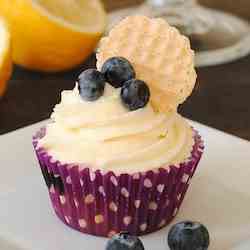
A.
x: 106, y: 136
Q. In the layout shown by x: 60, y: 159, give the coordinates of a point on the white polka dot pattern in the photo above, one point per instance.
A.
x: 185, y: 178
x: 82, y: 223
x: 99, y: 219
x: 52, y: 189
x: 148, y: 183
x: 114, y: 180
x: 68, y: 180
x: 92, y: 176
x: 68, y: 219
x: 160, y: 188
x: 62, y: 199
x: 143, y: 227
x: 89, y: 199
x: 76, y: 202
x: 127, y: 220
x: 137, y: 203
x: 81, y: 182
x: 113, y: 207
x: 91, y: 206
x: 101, y: 190
x: 125, y: 192
x: 152, y: 206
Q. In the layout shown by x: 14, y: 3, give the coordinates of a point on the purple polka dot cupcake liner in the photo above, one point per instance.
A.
x: 103, y: 203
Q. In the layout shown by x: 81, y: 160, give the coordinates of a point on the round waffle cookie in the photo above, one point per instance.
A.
x: 161, y: 56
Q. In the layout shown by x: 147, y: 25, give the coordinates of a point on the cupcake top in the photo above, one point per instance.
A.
x: 123, y: 118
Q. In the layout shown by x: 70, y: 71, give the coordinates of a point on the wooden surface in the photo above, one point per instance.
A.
x: 221, y: 98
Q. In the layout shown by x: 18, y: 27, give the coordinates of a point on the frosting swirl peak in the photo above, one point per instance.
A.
x: 106, y: 136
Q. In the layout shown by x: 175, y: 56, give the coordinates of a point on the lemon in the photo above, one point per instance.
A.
x: 53, y: 35
x: 5, y: 57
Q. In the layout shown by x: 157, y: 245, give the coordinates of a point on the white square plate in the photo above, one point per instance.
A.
x: 219, y: 197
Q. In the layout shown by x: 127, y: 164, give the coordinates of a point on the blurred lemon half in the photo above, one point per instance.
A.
x: 5, y: 57
x: 53, y: 35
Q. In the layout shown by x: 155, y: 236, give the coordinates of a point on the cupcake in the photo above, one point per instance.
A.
x: 116, y: 155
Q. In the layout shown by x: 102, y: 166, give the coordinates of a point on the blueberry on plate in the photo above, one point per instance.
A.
x: 124, y: 241
x: 135, y: 94
x: 91, y: 84
x: 117, y: 70
x: 188, y: 235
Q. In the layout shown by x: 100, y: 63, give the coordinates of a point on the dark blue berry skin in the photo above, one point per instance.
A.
x: 124, y: 241
x: 91, y: 84
x: 117, y: 70
x: 135, y: 94
x: 188, y: 235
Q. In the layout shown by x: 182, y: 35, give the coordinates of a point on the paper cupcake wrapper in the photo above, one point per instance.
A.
x: 103, y: 204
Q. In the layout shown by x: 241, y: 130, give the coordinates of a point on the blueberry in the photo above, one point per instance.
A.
x: 91, y: 84
x: 117, y: 70
x: 188, y: 235
x: 135, y: 94
x: 124, y: 241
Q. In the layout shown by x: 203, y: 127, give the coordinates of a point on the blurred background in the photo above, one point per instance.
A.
x: 40, y: 57
x: 236, y: 7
